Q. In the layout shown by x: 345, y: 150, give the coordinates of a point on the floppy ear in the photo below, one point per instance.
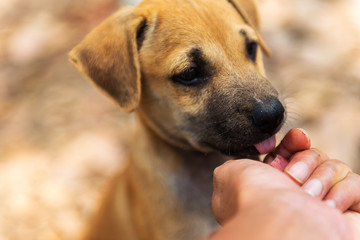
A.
x: 108, y: 56
x: 248, y: 11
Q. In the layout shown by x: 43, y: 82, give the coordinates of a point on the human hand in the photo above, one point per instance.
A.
x: 255, y: 201
x: 324, y: 178
x: 239, y: 185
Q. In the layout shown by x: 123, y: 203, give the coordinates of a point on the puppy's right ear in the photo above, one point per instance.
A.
x: 109, y: 57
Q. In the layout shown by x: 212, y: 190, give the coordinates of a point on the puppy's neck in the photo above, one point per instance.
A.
x: 185, y: 176
x: 156, y: 156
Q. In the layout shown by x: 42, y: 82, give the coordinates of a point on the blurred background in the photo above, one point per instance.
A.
x: 60, y: 138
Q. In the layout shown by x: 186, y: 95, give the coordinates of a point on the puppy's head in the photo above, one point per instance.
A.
x: 192, y: 70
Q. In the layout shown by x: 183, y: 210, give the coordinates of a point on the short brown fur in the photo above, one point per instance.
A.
x: 184, y: 132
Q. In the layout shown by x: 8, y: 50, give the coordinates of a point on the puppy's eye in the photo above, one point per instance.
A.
x: 251, y: 50
x: 189, y: 77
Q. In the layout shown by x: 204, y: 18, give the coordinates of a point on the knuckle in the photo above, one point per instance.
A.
x: 319, y: 154
x: 340, y: 166
x: 313, y: 157
x: 335, y: 164
x: 329, y: 166
x: 336, y: 167
x: 355, y: 177
x: 315, y: 151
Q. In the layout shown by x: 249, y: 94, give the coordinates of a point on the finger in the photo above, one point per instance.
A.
x: 303, y: 163
x: 279, y: 163
x: 324, y: 177
x: 345, y: 195
x: 294, y: 141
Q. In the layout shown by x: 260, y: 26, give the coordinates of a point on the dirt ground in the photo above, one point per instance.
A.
x: 60, y: 139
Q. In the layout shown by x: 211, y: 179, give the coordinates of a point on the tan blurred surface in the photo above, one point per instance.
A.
x: 61, y: 138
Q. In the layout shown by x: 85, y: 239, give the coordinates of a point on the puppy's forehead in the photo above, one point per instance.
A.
x: 180, y: 25
x: 198, y: 17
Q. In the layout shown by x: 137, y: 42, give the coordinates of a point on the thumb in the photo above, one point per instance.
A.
x: 238, y: 182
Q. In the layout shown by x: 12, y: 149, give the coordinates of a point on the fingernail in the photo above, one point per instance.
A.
x: 299, y: 172
x: 330, y: 203
x: 304, y: 132
x: 307, y: 137
x: 313, y: 187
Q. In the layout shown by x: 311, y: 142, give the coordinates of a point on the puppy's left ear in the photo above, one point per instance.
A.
x: 108, y: 56
x: 248, y: 11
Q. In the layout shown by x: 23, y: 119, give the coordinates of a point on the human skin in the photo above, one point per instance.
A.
x: 318, y: 199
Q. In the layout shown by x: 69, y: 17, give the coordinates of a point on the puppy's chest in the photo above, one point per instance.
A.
x: 182, y: 207
x: 192, y: 191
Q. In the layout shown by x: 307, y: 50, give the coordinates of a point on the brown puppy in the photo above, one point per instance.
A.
x: 193, y: 72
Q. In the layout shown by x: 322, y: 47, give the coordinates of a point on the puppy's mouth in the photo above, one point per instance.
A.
x: 266, y: 146
x: 251, y: 152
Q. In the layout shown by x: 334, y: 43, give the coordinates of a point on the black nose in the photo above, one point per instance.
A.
x: 268, y: 116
